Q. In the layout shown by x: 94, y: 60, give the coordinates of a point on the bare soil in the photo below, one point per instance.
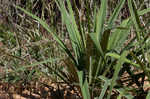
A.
x: 36, y: 90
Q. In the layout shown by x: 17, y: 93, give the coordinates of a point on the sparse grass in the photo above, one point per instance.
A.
x: 85, y: 44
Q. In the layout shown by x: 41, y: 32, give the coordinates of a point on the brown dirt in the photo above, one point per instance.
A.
x: 37, y: 91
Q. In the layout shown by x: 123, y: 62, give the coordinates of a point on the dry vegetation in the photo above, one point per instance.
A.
x: 36, y: 63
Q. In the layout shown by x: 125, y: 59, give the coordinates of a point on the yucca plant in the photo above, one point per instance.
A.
x: 98, y: 51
